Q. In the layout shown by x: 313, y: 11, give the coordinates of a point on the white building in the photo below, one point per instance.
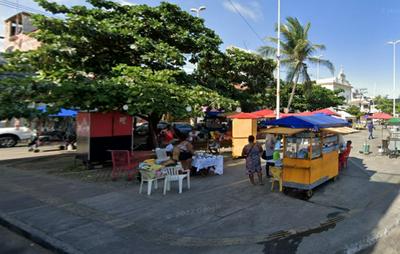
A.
x: 336, y: 83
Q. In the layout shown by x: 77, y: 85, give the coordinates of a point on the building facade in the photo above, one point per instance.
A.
x: 336, y: 83
x: 17, y: 29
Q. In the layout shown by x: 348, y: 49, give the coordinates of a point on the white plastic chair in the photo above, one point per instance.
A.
x: 161, y: 154
x: 148, y: 177
x: 172, y: 175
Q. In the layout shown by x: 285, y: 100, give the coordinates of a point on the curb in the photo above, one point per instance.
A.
x: 37, y: 236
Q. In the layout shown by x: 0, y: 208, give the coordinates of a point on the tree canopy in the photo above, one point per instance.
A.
x: 241, y: 75
x: 111, y: 55
x: 296, y: 52
x: 384, y: 104
x: 314, y: 98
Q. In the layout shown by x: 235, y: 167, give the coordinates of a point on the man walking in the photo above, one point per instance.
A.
x: 370, y: 126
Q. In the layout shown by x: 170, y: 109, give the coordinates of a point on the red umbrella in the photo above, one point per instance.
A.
x: 264, y: 113
x: 325, y: 111
x: 380, y: 115
x: 244, y: 116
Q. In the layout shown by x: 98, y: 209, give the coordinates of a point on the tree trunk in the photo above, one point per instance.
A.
x: 153, y: 120
x: 293, y: 92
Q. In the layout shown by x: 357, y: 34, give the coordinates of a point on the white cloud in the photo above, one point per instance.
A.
x: 124, y: 2
x: 251, y: 10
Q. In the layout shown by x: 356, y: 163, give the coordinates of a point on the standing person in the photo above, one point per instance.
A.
x: 371, y: 128
x: 269, y: 151
x: 252, y: 151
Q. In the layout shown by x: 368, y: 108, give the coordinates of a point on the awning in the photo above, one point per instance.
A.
x: 340, y: 130
x: 314, y: 122
x: 282, y: 130
x: 243, y: 116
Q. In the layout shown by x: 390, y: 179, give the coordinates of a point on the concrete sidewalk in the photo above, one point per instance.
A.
x: 219, y: 214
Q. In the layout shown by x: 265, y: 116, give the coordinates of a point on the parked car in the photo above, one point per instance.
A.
x: 9, y: 137
x: 143, y: 129
x: 182, y: 127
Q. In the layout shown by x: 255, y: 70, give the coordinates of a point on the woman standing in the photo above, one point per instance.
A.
x: 252, y: 151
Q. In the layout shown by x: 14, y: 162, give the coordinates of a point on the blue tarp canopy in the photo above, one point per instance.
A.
x: 63, y: 112
x: 309, y: 122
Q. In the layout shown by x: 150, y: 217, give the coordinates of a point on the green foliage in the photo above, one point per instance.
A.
x: 296, y: 52
x: 113, y: 55
x: 250, y: 73
x: 311, y: 99
x: 355, y: 111
x: 384, y: 104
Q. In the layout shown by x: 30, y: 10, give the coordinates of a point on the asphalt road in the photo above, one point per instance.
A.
x: 12, y: 243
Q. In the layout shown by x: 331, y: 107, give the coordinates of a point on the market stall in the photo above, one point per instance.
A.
x: 243, y: 125
x: 310, y: 149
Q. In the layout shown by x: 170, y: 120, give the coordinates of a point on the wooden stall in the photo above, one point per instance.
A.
x: 243, y: 125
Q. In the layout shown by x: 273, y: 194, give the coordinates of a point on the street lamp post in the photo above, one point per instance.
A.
x: 198, y: 10
x: 278, y: 65
x: 394, y: 74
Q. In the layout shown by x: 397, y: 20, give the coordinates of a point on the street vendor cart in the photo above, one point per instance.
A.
x: 310, y: 150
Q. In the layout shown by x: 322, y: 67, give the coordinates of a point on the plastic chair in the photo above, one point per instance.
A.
x: 276, y: 177
x: 122, y: 161
x: 172, y: 175
x: 343, y: 158
x: 149, y: 177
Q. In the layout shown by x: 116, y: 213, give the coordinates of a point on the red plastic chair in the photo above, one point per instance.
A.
x: 122, y: 161
x: 343, y: 158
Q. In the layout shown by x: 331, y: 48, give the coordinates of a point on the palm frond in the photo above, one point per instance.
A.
x: 326, y: 63
x: 267, y: 51
x: 319, y: 46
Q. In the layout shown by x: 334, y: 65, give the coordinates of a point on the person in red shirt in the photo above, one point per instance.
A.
x: 167, y: 135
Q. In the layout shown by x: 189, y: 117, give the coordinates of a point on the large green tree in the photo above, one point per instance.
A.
x: 384, y: 104
x: 111, y: 55
x: 297, y: 51
x: 307, y: 99
x: 239, y: 74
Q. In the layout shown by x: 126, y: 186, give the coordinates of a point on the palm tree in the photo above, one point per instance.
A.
x: 296, y: 52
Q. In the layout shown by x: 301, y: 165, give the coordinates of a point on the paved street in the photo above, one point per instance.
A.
x: 85, y: 212
x: 12, y: 243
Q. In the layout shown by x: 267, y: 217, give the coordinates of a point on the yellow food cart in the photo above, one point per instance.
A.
x: 310, y: 150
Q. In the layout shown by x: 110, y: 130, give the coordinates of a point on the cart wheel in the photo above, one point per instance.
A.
x: 309, y: 194
x: 285, y: 190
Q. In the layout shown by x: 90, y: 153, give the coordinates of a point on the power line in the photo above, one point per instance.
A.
x: 21, y: 7
x: 245, y: 20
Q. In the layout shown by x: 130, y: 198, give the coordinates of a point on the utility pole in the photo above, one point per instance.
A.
x: 278, y: 65
x: 394, y: 74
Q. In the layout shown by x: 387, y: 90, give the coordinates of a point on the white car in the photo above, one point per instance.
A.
x: 9, y: 137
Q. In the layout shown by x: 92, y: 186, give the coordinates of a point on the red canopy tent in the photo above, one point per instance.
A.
x: 380, y: 115
x: 244, y: 116
x: 268, y: 113
x: 325, y: 111
x: 264, y: 113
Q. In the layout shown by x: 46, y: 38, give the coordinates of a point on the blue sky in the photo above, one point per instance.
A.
x: 355, y: 32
